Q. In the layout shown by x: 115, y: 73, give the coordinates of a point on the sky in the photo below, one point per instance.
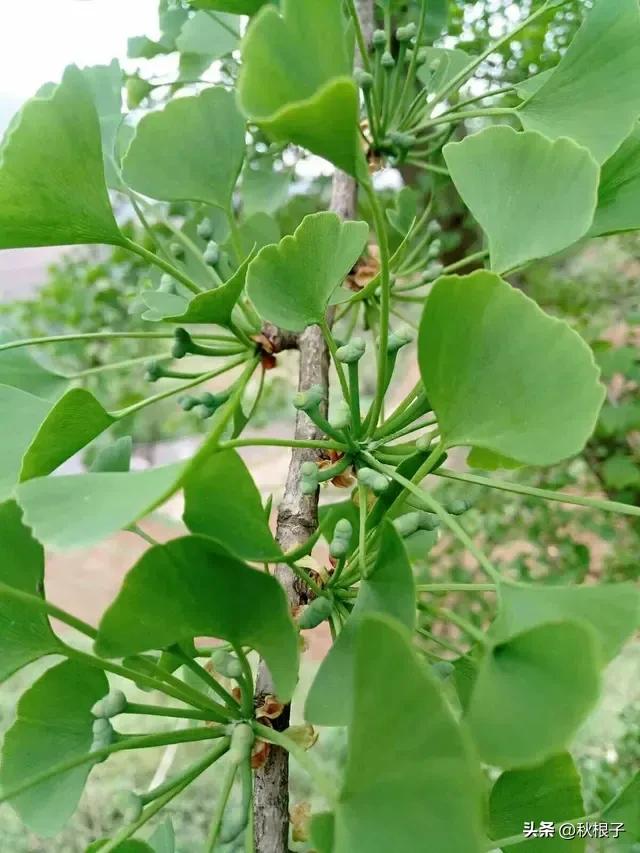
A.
x: 39, y: 38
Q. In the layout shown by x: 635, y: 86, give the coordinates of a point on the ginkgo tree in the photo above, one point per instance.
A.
x: 446, y: 754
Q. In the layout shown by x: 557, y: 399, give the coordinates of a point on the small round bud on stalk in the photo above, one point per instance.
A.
x: 129, y: 804
x: 103, y: 734
x: 404, y: 141
x: 188, y: 402
x: 242, y: 740
x: 342, y: 533
x: 373, y: 480
x: 363, y: 79
x: 111, y: 705
x: 407, y: 524
x: 405, y: 34
x: 387, y: 60
x: 432, y: 272
x: 434, y: 228
x: 311, y: 399
x: 351, y: 352
x: 212, y: 253
x: 341, y: 416
x: 457, y: 507
x: 379, y: 38
x: 434, y: 249
x: 315, y: 613
x: 153, y: 371
x: 398, y: 339
x: 182, y: 344
x: 205, y: 229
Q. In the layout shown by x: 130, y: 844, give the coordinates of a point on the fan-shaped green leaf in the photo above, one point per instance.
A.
x: 593, y: 94
x: 625, y: 810
x: 311, y: 99
x: 214, y: 306
x: 619, y: 196
x: 192, y: 587
x: 264, y: 189
x: 25, y: 633
x: 611, y: 610
x: 411, y: 777
x: 548, y: 792
x: 290, y: 291
x: 441, y: 65
x: 167, y: 159
x: 80, y: 510
x: 53, y: 724
x: 234, y: 7
x: 389, y: 589
x: 52, y: 185
x: 22, y: 415
x: 504, y: 376
x: 210, y: 35
x: 20, y: 369
x: 114, y: 457
x: 532, y: 693
x: 74, y: 421
x: 533, y: 197
x: 106, y: 83
x: 232, y: 516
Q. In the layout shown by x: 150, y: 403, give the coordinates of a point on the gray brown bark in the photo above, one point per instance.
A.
x: 297, y: 520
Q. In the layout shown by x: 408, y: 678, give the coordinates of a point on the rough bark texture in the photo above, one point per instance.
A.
x: 297, y: 520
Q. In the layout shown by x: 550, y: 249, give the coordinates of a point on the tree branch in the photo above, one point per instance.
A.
x: 297, y: 520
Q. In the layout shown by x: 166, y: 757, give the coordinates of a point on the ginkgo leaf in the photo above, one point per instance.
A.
x: 114, y: 457
x: 106, y: 83
x: 411, y: 775
x: 57, y: 507
x: 611, y: 610
x: 503, y: 375
x: 533, y: 197
x: 264, y: 189
x: 235, y: 517
x: 593, y: 94
x: 208, y: 34
x: 311, y: 98
x: 441, y: 65
x: 389, y: 589
x: 167, y: 160
x: 214, y: 307
x: 234, y: 7
x: 25, y: 633
x: 619, y: 195
x: 74, y: 421
x: 192, y: 587
x: 22, y: 415
x: 53, y: 724
x: 291, y: 292
x: 52, y: 184
x: 20, y: 369
x: 532, y: 693
x: 550, y: 792
x: 625, y: 811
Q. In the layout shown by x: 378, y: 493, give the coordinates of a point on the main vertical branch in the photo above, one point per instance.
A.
x: 297, y: 520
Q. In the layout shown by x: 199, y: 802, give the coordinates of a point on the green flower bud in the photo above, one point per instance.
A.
x: 428, y: 521
x: 343, y: 528
x: 341, y: 417
x: 188, y: 402
x: 234, y: 822
x: 212, y: 253
x: 341, y: 541
x: 205, y: 229
x: 444, y: 669
x: 182, y: 344
x: 103, y: 734
x: 351, y: 352
x: 434, y: 228
x: 432, y: 272
x: 421, y: 58
x: 153, y: 371
x: 434, y: 249
x: 387, y: 60
x: 203, y: 412
x: 226, y: 664
x: 241, y: 742
x: 309, y: 469
x: 315, y: 613
x: 408, y: 524
x: 379, y: 38
x: 406, y: 33
x: 363, y: 79
x: 111, y: 705
x: 177, y: 250
x: 129, y: 804
x: 373, y: 480
x: 308, y: 400
x: 398, y: 339
x: 404, y: 141
x: 457, y: 507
